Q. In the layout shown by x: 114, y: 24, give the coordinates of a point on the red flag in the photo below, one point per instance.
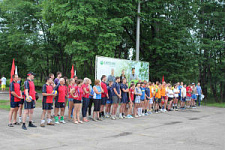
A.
x: 72, y: 72
x: 163, y: 79
x: 12, y: 70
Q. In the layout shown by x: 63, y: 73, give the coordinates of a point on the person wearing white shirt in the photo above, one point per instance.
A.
x: 176, y: 96
x: 170, y: 95
x: 3, y: 79
x: 183, y: 96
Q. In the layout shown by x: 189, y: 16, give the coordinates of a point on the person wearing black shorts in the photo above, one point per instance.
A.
x: 97, y: 99
x: 15, y: 97
x: 29, y: 104
x: 104, y: 96
x: 47, y: 102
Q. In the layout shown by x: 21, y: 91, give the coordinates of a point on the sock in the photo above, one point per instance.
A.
x: 61, y: 118
x: 122, y: 114
x: 145, y: 110
x: 42, y: 121
x: 30, y: 122
x: 100, y: 114
x: 141, y: 110
x: 23, y: 124
x: 103, y: 114
x: 56, y: 118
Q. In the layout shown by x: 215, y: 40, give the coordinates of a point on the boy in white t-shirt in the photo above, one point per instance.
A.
x: 183, y: 97
x: 176, y: 92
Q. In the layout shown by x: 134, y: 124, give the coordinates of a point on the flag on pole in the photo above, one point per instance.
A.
x: 72, y: 71
x: 16, y: 72
x: 12, y: 70
x: 163, y: 78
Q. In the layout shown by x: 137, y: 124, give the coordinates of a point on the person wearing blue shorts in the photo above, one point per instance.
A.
x: 194, y: 96
x: 109, y: 100
x: 142, y: 98
x: 124, y: 99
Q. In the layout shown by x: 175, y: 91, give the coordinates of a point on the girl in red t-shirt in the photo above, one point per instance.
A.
x: 131, y: 100
x: 70, y: 99
x: 77, y: 94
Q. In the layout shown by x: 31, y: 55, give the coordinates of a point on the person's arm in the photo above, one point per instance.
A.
x: 129, y: 96
x: 85, y: 91
x: 26, y: 88
x: 13, y: 92
x: 96, y: 91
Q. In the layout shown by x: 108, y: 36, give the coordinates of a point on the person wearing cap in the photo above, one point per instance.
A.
x: 29, y: 90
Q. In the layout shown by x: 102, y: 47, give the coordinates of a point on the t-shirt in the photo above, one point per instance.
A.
x: 14, y: 87
x: 194, y: 90
x: 183, y: 92
x: 131, y: 94
x: 70, y: 87
x: 3, y: 79
x: 110, y: 91
x: 147, y: 91
x: 111, y: 78
x: 97, y: 96
x: 143, y: 93
x: 124, y: 94
x: 79, y: 92
x: 180, y: 88
x: 151, y: 91
x: 163, y: 91
x: 92, y: 92
x: 62, y: 92
x: 117, y: 87
x: 138, y: 91
x: 175, y: 92
x: 56, y: 81
x: 199, y: 90
x: 133, y: 77
x: 85, y: 86
x: 158, y: 93
x: 104, y: 87
x: 170, y: 93
x: 31, y: 88
x: 189, y: 90
x: 47, y: 89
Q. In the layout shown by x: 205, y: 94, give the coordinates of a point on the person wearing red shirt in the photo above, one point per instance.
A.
x: 60, y: 100
x: 47, y: 101
x: 29, y: 104
x: 70, y: 87
x: 86, y: 89
x: 131, y: 100
x: 104, y: 95
x: 77, y: 94
x: 15, y: 97
x: 188, y: 96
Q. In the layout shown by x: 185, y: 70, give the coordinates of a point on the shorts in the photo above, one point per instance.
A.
x: 97, y: 103
x: 183, y: 99
x: 176, y: 97
x: 21, y: 101
x: 194, y: 97
x: 59, y: 105
x: 70, y: 99
x: 163, y: 97
x: 109, y: 101
x: 151, y: 101
x: 179, y: 98
x: 14, y: 104
x: 142, y: 99
x: 137, y: 100
x: 158, y: 100
x: 170, y: 99
x: 147, y: 99
x: 75, y: 101
x: 3, y: 86
x: 29, y: 105
x: 103, y: 100
x: 124, y: 100
x: 115, y: 99
x: 188, y: 98
x: 47, y: 106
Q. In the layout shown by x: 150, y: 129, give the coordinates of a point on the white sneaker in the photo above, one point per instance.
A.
x: 143, y: 114
x: 107, y: 116
x: 113, y: 118
x: 120, y: 117
x: 62, y: 121
x: 56, y: 122
x: 20, y: 119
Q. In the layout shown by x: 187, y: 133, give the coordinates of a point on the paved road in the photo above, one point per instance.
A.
x: 201, y: 128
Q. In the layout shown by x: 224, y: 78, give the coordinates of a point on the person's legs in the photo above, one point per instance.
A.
x: 84, y: 108
x: 74, y: 113
x: 199, y: 100
x: 20, y: 112
x: 71, y: 104
x: 78, y: 112
x: 90, y: 106
x: 11, y: 114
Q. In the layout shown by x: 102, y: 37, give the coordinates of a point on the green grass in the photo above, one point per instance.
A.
x: 221, y: 105
x: 4, y: 104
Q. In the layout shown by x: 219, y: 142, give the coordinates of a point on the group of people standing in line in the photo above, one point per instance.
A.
x: 136, y: 99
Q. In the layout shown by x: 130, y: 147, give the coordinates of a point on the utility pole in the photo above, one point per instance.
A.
x: 138, y: 32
